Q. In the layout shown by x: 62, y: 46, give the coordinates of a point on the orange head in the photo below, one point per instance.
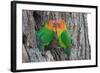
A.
x: 51, y: 25
x: 61, y: 24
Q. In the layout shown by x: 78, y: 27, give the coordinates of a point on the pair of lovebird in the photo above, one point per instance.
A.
x: 47, y: 32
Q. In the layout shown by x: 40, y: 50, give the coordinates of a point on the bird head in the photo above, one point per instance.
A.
x: 50, y: 25
x: 61, y: 25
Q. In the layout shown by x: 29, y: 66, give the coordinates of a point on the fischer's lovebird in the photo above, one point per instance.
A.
x: 64, y: 37
x: 46, y: 33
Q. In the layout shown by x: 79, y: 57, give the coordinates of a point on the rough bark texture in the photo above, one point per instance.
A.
x: 32, y: 21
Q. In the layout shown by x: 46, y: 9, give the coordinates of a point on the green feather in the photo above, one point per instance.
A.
x: 45, y: 35
x: 66, y: 39
x: 65, y: 42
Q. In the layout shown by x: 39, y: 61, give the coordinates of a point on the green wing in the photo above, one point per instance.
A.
x: 67, y: 41
x: 45, y: 35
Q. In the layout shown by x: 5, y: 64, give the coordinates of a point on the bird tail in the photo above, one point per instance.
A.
x: 67, y: 51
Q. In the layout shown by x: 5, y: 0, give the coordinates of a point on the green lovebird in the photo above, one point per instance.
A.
x: 64, y: 37
x: 46, y: 33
